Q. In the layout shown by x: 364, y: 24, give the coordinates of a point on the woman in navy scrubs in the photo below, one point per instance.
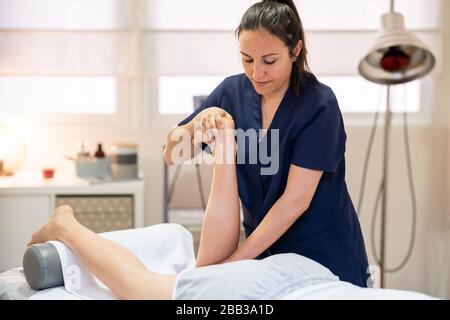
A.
x: 298, y: 201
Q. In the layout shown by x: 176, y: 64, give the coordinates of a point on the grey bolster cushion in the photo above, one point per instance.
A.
x: 42, y: 266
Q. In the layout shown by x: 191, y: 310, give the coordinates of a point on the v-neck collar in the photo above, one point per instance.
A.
x: 257, y: 111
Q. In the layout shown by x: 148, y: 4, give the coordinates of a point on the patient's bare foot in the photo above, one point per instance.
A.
x: 58, y: 225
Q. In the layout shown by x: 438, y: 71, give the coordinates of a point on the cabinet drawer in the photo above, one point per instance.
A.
x: 101, y: 213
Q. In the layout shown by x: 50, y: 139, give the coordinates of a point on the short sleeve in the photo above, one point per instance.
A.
x: 320, y: 145
x: 213, y: 100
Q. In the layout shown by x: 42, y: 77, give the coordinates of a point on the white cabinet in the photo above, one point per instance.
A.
x: 27, y: 201
x: 20, y: 215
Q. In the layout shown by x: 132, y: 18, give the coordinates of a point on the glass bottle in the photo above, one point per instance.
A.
x: 99, y: 153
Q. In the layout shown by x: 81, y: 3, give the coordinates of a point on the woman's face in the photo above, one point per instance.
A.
x: 266, y: 61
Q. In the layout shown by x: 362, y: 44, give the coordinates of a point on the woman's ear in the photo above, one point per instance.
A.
x: 297, y: 50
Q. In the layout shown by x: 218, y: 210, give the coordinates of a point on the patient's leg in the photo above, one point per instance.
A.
x: 220, y: 230
x: 115, y: 266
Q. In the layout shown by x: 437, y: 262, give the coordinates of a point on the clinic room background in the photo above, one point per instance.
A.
x: 84, y: 84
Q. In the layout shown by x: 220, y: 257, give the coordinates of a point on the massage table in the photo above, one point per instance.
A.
x: 168, y: 249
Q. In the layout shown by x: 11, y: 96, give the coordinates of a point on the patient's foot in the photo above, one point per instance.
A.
x: 58, y: 225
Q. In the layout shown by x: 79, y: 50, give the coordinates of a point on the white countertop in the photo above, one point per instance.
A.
x: 33, y: 182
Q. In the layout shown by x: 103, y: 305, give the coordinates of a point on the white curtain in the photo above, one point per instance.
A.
x: 139, y: 40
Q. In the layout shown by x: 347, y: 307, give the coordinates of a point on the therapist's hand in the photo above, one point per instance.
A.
x: 207, y: 121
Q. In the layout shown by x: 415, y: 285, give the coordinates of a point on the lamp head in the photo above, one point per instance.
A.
x: 397, y: 56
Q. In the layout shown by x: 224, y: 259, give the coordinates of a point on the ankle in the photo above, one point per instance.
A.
x: 64, y: 223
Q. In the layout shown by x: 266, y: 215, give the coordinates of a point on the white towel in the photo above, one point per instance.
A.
x: 165, y: 248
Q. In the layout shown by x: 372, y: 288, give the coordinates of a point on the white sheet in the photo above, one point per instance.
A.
x: 270, y: 278
x: 335, y: 290
x: 164, y: 248
x: 341, y: 290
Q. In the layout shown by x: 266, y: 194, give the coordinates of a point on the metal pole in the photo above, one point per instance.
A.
x: 387, y: 127
x: 165, y: 192
x: 392, y: 5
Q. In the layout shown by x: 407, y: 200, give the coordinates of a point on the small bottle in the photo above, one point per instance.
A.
x: 82, y: 149
x: 99, y: 153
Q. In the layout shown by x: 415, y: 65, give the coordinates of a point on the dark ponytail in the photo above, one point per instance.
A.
x: 281, y: 19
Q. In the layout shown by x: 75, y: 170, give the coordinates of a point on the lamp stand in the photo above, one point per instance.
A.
x: 387, y: 128
x: 397, y: 57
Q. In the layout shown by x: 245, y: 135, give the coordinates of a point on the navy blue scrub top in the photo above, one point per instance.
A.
x: 311, y: 135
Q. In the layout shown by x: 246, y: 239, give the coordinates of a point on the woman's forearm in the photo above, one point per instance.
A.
x: 221, y: 224
x: 179, y: 144
x: 277, y: 221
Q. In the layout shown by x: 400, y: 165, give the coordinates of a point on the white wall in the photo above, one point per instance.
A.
x: 446, y: 278
x: 429, y: 151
